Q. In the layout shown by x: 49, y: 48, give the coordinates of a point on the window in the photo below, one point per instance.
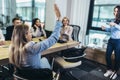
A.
x: 29, y: 9
x: 40, y: 9
x: 101, y: 12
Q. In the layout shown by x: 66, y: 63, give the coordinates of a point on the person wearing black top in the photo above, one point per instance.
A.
x: 9, y: 29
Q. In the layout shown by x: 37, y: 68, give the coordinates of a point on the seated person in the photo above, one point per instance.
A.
x: 2, y: 38
x: 9, y: 29
x: 66, y: 29
x: 26, y: 53
x: 38, y: 28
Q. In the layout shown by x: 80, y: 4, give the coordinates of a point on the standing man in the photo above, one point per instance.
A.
x: 9, y: 29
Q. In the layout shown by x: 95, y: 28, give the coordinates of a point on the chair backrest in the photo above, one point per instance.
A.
x: 34, y: 74
x: 76, y: 30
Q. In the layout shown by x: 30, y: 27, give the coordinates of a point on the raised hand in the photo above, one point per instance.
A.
x: 112, y: 24
x: 42, y: 25
x: 35, y: 26
x: 57, y: 11
x: 103, y: 27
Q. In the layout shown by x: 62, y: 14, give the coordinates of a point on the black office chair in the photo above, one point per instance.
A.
x: 75, y: 34
x: 74, y: 54
x: 28, y: 73
x: 6, y: 72
x: 70, y: 57
x: 48, y: 33
x: 10, y: 71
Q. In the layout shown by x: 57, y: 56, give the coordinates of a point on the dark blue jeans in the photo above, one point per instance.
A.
x: 113, y: 45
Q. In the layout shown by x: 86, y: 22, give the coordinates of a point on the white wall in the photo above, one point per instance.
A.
x: 50, y: 15
x: 62, y: 4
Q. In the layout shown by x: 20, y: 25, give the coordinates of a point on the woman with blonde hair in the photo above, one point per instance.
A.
x: 66, y: 29
x: 26, y: 53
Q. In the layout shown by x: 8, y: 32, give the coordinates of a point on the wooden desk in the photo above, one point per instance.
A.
x: 59, y: 47
x: 4, y: 50
x: 3, y: 53
x: 54, y: 48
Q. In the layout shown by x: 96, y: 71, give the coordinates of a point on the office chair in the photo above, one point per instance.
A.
x: 74, y: 54
x: 75, y: 33
x: 28, y: 73
x: 48, y: 33
x: 10, y: 71
x: 6, y: 71
x: 70, y: 61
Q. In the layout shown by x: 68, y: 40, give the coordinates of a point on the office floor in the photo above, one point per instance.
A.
x: 90, y: 70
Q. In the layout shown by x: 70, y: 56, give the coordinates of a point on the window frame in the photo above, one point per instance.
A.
x: 90, y: 16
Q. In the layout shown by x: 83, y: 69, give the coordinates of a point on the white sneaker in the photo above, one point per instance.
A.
x: 113, y: 76
x: 108, y: 73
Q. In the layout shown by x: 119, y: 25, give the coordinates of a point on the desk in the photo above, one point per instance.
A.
x: 59, y: 47
x: 4, y: 50
x: 54, y: 48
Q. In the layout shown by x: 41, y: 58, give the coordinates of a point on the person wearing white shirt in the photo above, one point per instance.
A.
x: 37, y: 28
x: 2, y: 38
x: 66, y: 29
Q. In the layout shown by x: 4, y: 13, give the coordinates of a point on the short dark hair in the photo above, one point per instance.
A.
x: 16, y: 18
